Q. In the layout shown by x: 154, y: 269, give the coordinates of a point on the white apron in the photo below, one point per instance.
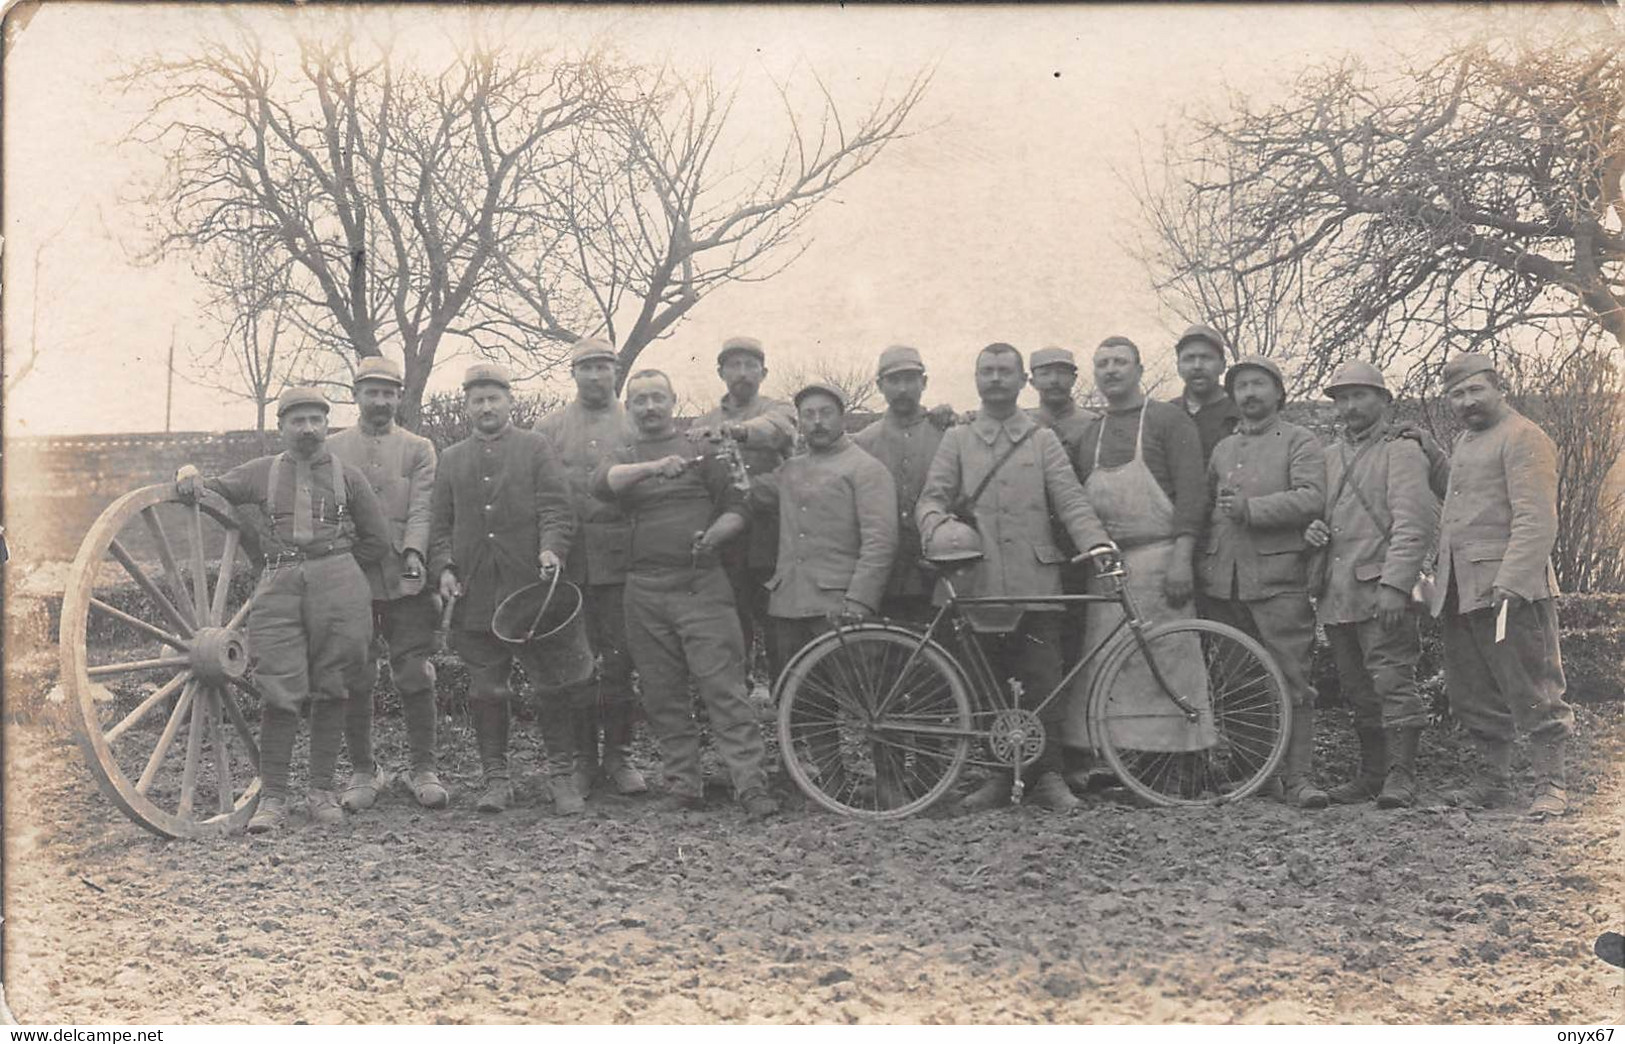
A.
x: 1137, y: 513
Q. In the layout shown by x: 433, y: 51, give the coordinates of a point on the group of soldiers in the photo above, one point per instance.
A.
x: 766, y: 519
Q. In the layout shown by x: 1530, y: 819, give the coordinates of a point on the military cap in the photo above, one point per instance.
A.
x: 900, y: 357
x: 1464, y: 366
x: 1257, y: 362
x: 301, y: 395
x: 486, y: 373
x: 592, y: 348
x: 748, y: 345
x: 821, y: 387
x: 1200, y: 332
x: 378, y: 368
x: 1052, y: 356
x: 1358, y: 372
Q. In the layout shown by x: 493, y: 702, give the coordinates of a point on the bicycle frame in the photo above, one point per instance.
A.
x: 989, y: 695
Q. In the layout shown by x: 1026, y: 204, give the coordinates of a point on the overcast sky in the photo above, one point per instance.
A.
x: 1003, y: 219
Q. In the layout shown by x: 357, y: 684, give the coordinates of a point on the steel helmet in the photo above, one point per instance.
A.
x: 1358, y: 372
x: 953, y: 541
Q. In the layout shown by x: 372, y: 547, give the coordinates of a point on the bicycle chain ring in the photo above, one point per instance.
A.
x: 1016, y: 737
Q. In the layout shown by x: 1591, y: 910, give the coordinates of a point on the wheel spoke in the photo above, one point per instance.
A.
x: 166, y: 555
x: 222, y: 583
x: 222, y: 756
x: 200, y: 568
x: 139, y: 624
x: 240, y: 723
x: 159, y: 599
x: 241, y: 614
x: 144, y: 706
x: 167, y: 740
x: 107, y: 670
x: 194, y: 753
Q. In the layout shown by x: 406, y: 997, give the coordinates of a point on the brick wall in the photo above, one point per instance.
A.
x: 56, y: 487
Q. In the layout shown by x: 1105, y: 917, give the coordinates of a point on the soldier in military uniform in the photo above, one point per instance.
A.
x: 766, y: 432
x: 1268, y: 483
x: 680, y: 626
x: 399, y: 466
x: 1496, y: 590
x: 1055, y: 371
x: 586, y: 433
x: 1199, y: 356
x: 311, y: 622
x: 904, y: 439
x: 1378, y: 527
x: 502, y: 517
x: 1019, y: 477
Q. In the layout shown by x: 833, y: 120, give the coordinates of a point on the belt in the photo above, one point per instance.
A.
x: 283, y: 556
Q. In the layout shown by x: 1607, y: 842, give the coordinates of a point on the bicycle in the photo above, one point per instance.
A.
x: 878, y: 719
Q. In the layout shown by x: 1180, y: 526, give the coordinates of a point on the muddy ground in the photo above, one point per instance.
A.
x: 1250, y: 913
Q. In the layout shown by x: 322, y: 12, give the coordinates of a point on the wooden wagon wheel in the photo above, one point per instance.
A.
x: 153, y: 654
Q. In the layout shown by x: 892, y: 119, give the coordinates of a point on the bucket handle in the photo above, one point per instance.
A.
x: 552, y: 586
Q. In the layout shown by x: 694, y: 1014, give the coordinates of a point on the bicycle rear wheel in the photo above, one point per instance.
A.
x: 872, y: 723
x: 1232, y: 749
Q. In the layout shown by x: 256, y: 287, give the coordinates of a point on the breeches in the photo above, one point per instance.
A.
x: 407, y: 625
x: 1378, y: 671
x: 1497, y: 688
x: 1285, y: 625
x: 309, y: 630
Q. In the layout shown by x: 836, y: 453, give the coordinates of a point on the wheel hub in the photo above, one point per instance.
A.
x: 218, y: 654
x: 1016, y: 737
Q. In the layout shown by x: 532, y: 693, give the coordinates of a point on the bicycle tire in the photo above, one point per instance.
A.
x: 1249, y: 711
x: 844, y: 757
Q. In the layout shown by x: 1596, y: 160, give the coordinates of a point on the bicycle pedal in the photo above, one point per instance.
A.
x: 1016, y: 791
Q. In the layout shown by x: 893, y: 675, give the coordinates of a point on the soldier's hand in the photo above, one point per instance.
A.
x: 1391, y: 606
x: 737, y: 432
x: 1233, y: 504
x: 705, y: 433
x: 412, y: 575
x: 1319, y: 534
x: 702, y: 551
x: 548, y: 563
x: 850, y: 613
x: 672, y: 466
x: 941, y: 416
x: 449, y: 587
x: 968, y: 417
x: 1180, y: 582
x: 187, y: 483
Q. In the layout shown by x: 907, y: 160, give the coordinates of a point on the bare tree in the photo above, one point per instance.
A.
x: 388, y: 188
x: 652, y: 212
x: 17, y: 372
x: 856, y: 382
x: 1468, y: 200
x: 261, y: 348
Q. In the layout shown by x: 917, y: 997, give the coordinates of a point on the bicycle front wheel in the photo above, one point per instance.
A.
x: 873, y: 721
x: 1244, y: 716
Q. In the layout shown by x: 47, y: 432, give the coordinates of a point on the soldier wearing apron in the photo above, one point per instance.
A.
x: 1156, y: 532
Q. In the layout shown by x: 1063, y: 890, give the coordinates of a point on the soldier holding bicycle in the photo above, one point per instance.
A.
x: 1006, y: 476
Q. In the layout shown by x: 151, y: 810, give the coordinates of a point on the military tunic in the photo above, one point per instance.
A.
x: 905, y: 447
x: 1498, y: 527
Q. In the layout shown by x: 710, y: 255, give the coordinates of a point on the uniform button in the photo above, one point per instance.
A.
x: 488, y: 507
x: 490, y: 536
x: 487, y: 478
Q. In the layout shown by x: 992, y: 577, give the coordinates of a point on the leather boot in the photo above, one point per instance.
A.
x: 1373, y: 766
x: 584, y: 727
x: 1492, y: 786
x: 491, y: 735
x: 1297, y: 776
x: 561, y: 733
x: 1546, y: 755
x: 1399, y: 786
x: 617, y: 766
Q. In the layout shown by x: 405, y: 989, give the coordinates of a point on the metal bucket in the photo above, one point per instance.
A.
x: 545, y: 619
